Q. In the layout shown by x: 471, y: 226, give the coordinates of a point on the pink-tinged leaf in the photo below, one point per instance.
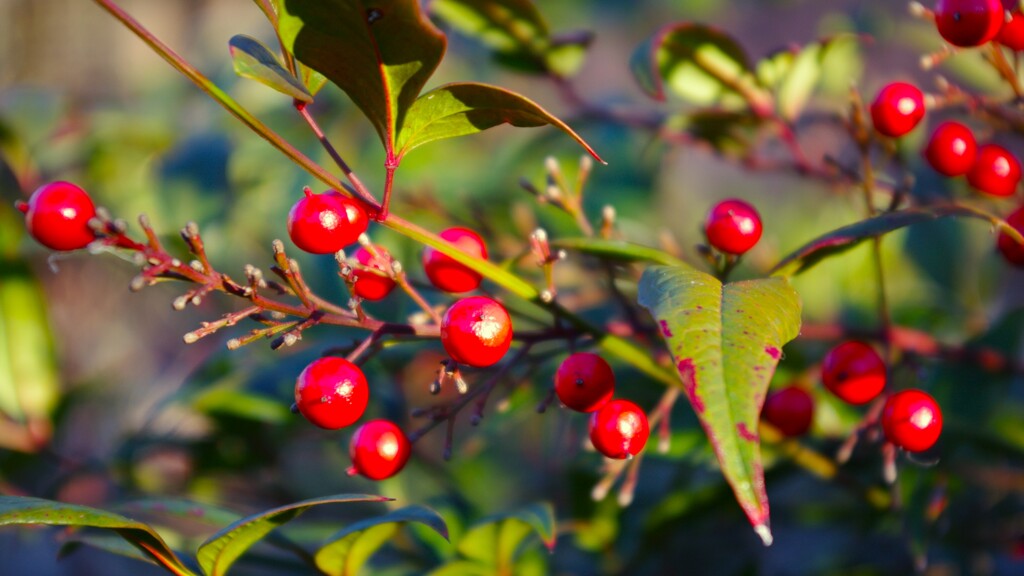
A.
x: 380, y: 52
x: 726, y: 342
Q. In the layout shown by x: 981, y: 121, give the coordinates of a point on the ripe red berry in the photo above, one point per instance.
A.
x: 476, y: 331
x: 996, y: 171
x: 325, y: 223
x: 57, y: 216
x: 897, y: 109
x: 1008, y: 246
x: 912, y: 420
x: 791, y: 410
x: 584, y: 382
x: 969, y: 22
x: 951, y: 150
x: 447, y: 274
x: 854, y: 372
x: 733, y: 226
x: 331, y: 392
x: 379, y: 449
x: 619, y: 429
x: 1012, y: 33
x: 368, y: 283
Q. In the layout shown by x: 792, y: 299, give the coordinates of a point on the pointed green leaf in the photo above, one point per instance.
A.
x: 842, y: 239
x: 347, y: 551
x: 255, y: 61
x: 467, y: 108
x: 700, y: 64
x: 220, y: 551
x: 496, y: 539
x: 380, y: 52
x: 16, y: 510
x: 726, y: 342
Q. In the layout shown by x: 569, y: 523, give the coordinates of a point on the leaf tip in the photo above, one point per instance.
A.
x: 765, y: 533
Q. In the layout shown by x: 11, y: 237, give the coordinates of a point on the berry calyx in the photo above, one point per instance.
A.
x: 584, y: 382
x: 854, y: 372
x: 912, y: 420
x: 1012, y: 33
x: 969, y: 22
x: 951, y: 150
x: 996, y: 171
x: 331, y: 393
x: 371, y: 278
x: 733, y: 226
x: 897, y: 109
x: 379, y: 449
x: 325, y: 223
x: 619, y: 429
x: 57, y: 215
x: 476, y: 331
x: 444, y: 272
x: 1008, y: 246
x: 790, y: 409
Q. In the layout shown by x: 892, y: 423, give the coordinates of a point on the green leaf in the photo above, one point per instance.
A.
x: 804, y: 75
x: 255, y: 61
x: 380, y: 52
x: 771, y: 69
x: 842, y: 239
x: 346, y: 551
x: 463, y: 568
x: 467, y: 108
x: 506, y: 26
x: 619, y: 250
x: 220, y: 551
x: 17, y: 510
x: 495, y: 540
x: 567, y: 52
x: 729, y: 132
x: 700, y: 64
x: 725, y: 342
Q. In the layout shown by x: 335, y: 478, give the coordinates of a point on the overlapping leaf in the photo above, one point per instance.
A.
x: 726, y: 342
x: 347, y: 551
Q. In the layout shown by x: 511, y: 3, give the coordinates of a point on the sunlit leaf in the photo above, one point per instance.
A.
x: 347, y: 551
x: 803, y: 76
x: 255, y: 61
x: 495, y: 540
x: 726, y: 341
x: 507, y: 26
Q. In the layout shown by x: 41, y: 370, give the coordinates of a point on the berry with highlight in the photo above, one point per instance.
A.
x: 332, y: 392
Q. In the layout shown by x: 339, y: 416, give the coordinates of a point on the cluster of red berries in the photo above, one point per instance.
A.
x: 584, y: 382
x: 968, y: 23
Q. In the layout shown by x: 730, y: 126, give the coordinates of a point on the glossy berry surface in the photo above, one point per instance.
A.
x: 969, y: 22
x: 447, y: 274
x: 897, y: 109
x: 476, y: 331
x: 619, y: 429
x: 325, y: 223
x: 733, y: 226
x: 996, y: 171
x: 1012, y: 33
x: 790, y: 409
x: 584, y: 382
x: 379, y: 449
x: 331, y: 392
x: 370, y: 284
x: 912, y: 420
x: 854, y: 372
x: 57, y: 215
x: 951, y: 150
x: 1008, y: 246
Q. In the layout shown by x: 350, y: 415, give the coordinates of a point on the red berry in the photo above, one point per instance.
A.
x: 332, y: 392
x: 897, y: 109
x: 951, y: 149
x: 325, y: 223
x: 619, y: 429
x: 476, y: 331
x: 368, y: 283
x: 733, y: 226
x: 969, y: 22
x: 1008, y: 246
x: 57, y: 216
x: 791, y: 410
x: 584, y: 382
x: 912, y: 420
x: 1012, y: 33
x: 854, y: 372
x: 447, y: 274
x: 379, y: 449
x: 996, y: 171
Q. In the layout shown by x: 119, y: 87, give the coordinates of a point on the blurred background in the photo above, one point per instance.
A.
x: 102, y: 402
